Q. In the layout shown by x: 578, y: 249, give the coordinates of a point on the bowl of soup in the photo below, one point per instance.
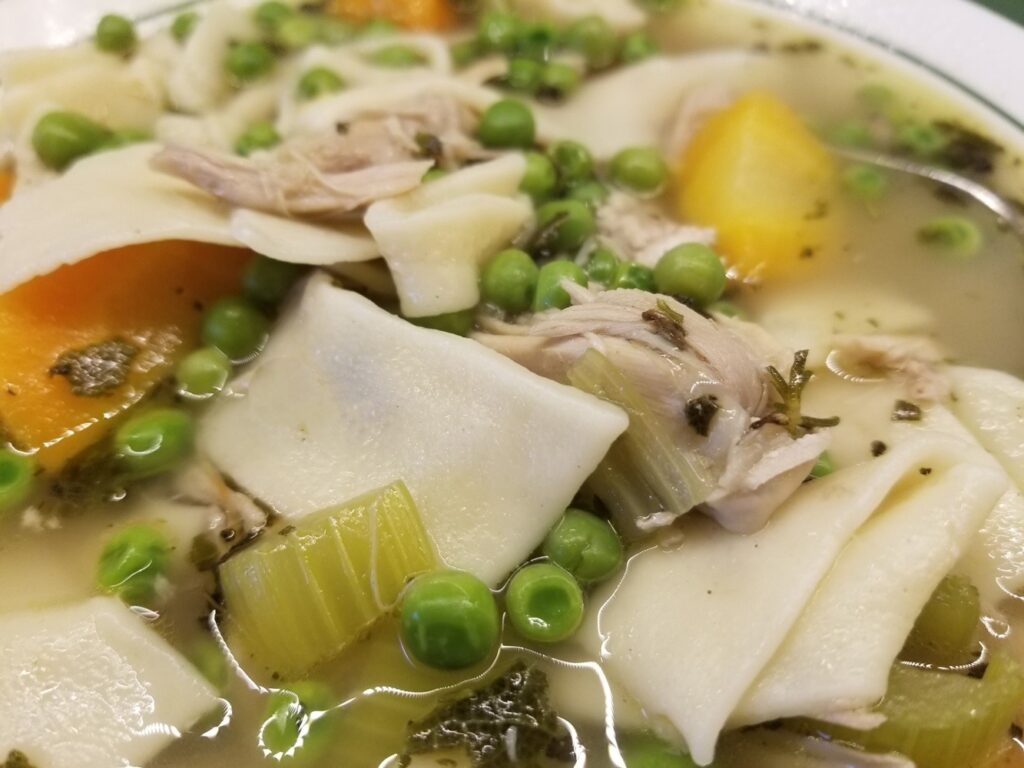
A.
x: 520, y: 384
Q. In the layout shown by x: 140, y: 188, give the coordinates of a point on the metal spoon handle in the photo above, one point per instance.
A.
x: 995, y: 202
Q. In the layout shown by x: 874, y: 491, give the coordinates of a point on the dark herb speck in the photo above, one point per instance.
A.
x: 904, y: 410
x: 98, y: 369
x: 878, y: 448
x: 514, y: 708
x: 700, y: 411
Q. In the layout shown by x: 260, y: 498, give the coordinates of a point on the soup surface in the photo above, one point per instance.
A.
x: 726, y: 469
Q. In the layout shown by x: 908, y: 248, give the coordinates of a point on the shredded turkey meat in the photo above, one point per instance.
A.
x: 755, y: 469
x: 639, y: 231
x: 333, y: 174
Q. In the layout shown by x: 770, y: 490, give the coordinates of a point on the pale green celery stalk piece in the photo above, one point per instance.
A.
x: 647, y: 469
x: 942, y: 719
x: 300, y: 596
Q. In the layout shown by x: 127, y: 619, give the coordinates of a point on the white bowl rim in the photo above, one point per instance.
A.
x: 971, y: 50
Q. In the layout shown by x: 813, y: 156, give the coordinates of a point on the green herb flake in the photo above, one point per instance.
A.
x: 700, y: 411
x: 904, y: 410
x: 97, y: 369
x: 17, y: 759
x: 667, y: 323
x: 508, y: 723
x: 790, y: 391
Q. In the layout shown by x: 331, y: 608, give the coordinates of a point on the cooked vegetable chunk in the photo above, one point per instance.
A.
x: 545, y: 603
x: 449, y: 620
x: 943, y: 719
x: 17, y: 473
x: 762, y: 179
x: 91, y: 686
x: 347, y: 397
x: 131, y: 563
x: 418, y: 14
x: 946, y: 627
x: 300, y: 598
x: 144, y: 294
x: 154, y: 442
x: 585, y: 545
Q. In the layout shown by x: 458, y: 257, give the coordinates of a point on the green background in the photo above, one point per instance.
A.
x: 1013, y: 9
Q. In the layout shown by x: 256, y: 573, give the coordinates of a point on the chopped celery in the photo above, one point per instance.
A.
x: 945, y: 631
x: 299, y: 597
x: 942, y: 719
x: 648, y: 469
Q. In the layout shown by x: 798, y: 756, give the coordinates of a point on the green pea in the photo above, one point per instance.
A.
x: 595, y: 40
x: 584, y: 545
x: 692, y: 271
x: 865, y: 182
x: 953, y: 236
x: 289, y: 727
x: 498, y: 32
x: 269, y: 15
x: 558, y: 81
x: 524, y: 75
x: 132, y: 562
x: 267, y: 281
x: 459, y: 323
x: 572, y: 160
x: 203, y: 372
x: 396, y: 57
x: 115, y: 34
x: 850, y: 133
x: 262, y: 135
x: 465, y: 52
x: 507, y: 123
x: 877, y: 99
x: 537, y: 40
x: 378, y: 28
x: 544, y: 603
x: 234, y: 327
x: 637, y: 47
x: 206, y: 656
x: 449, y: 620
x: 823, y: 466
x: 183, y: 24
x: 540, y: 181
x: 331, y: 30
x: 635, y: 276
x: 566, y: 225
x: 550, y: 293
x: 648, y: 751
x: 726, y: 309
x: 318, y: 82
x: 509, y: 280
x: 296, y: 32
x: 248, y: 61
x: 603, y: 266
x: 17, y: 479
x: 154, y: 442
x: 922, y: 139
x: 593, y: 193
x: 639, y: 169
x: 60, y: 138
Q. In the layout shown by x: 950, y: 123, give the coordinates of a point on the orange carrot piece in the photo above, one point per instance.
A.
x: 6, y: 183
x: 414, y: 14
x: 149, y: 295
